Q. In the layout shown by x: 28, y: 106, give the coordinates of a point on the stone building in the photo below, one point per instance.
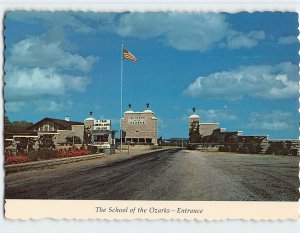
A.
x: 197, y: 130
x: 206, y: 129
x: 139, y: 127
x: 209, y: 136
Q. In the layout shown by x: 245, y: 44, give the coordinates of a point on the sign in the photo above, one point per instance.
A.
x: 137, y: 120
x: 102, y: 125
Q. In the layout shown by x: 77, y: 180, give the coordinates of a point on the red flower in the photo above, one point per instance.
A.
x: 16, y: 159
x: 72, y: 153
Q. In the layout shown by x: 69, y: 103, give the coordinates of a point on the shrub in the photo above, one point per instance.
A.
x: 45, y: 153
x: 294, y: 152
x: 54, y: 154
x: 192, y: 146
x: 92, y: 149
x: 8, y: 152
x: 33, y: 155
x: 221, y: 148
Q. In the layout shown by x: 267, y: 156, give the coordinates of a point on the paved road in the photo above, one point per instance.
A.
x: 165, y: 175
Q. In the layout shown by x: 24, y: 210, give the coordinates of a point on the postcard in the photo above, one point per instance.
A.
x: 151, y: 115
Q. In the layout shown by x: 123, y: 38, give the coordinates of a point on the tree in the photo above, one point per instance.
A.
x: 6, y: 121
x: 46, y: 141
x: 24, y: 145
x: 194, y: 134
x: 87, y: 135
x: 159, y: 140
x: 16, y: 125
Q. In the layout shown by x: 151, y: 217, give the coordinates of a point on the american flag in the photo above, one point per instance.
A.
x: 128, y: 55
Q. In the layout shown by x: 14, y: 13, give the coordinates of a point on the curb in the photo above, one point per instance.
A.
x: 48, y: 163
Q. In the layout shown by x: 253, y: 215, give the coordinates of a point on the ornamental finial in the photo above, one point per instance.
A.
x: 194, y: 109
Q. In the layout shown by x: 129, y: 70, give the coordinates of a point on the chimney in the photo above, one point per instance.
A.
x: 67, y: 118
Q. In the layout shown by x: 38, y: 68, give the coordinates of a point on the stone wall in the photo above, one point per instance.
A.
x: 145, y: 128
x: 206, y: 129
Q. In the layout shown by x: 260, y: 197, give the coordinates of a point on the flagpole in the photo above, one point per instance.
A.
x: 121, y: 95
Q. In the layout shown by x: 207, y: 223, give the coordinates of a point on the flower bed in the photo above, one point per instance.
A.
x: 16, y: 159
x: 72, y: 153
x: 63, y: 153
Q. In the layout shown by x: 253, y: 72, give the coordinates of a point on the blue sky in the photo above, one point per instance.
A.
x: 240, y: 70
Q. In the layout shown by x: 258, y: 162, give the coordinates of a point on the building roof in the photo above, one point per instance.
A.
x: 90, y: 119
x: 62, y: 124
x: 11, y: 134
x: 193, y: 116
x: 129, y: 111
x: 148, y: 111
x: 132, y: 112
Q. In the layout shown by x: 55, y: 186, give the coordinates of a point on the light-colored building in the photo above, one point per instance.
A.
x: 198, y: 129
x: 139, y: 127
x: 60, y: 129
x: 101, y: 134
x: 206, y: 129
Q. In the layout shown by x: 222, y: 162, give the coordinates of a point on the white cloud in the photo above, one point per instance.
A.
x: 36, y: 83
x: 43, y: 67
x: 216, y: 115
x: 36, y: 52
x: 182, y: 31
x: 52, y: 106
x: 275, y: 121
x: 73, y: 21
x: 263, y: 81
x: 286, y: 40
x: 187, y: 31
x: 39, y: 105
x: 211, y: 115
x: 237, y: 40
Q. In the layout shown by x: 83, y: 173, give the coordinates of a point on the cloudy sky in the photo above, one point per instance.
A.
x: 240, y: 70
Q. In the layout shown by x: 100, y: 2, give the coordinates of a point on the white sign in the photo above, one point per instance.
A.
x: 102, y: 125
x: 137, y: 120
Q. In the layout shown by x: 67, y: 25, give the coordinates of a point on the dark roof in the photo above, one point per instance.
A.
x: 10, y: 134
x: 62, y: 124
